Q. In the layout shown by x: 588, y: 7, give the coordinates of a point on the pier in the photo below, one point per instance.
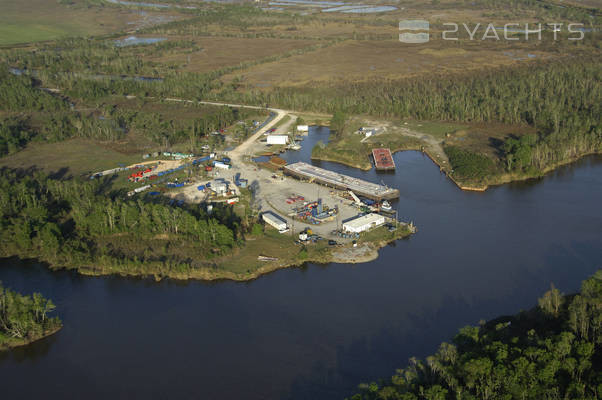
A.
x: 342, y: 182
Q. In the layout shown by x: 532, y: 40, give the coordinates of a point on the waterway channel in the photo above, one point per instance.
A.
x: 316, y: 332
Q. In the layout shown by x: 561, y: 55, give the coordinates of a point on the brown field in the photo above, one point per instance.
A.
x: 581, y: 3
x: 366, y: 60
x: 330, y: 26
x: 315, y: 29
x: 219, y: 52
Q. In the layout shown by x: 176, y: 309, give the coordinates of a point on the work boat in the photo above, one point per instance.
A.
x: 385, y: 206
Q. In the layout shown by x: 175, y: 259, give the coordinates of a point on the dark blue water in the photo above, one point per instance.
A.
x: 318, y: 331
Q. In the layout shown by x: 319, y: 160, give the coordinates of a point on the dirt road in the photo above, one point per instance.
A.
x: 242, y: 149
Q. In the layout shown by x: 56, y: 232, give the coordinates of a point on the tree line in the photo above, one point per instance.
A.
x: 24, y: 318
x: 55, y: 120
x: 550, y: 352
x: 73, y: 223
x: 20, y: 92
x: 95, y: 57
x: 561, y: 99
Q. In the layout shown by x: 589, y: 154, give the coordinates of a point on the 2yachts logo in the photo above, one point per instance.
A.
x: 509, y: 31
x: 414, y: 25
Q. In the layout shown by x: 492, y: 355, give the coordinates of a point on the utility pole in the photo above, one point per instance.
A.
x: 338, y: 217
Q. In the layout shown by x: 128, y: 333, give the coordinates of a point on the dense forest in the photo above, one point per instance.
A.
x: 78, y: 224
x: 551, y: 352
x: 20, y: 93
x: 14, y: 135
x: 56, y: 120
x: 24, y: 318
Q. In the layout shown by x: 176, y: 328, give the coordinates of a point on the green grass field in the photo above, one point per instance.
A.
x: 24, y: 21
x: 75, y: 156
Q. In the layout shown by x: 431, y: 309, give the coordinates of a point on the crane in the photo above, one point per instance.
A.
x: 355, y: 198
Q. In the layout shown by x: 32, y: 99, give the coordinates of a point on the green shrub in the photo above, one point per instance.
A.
x: 469, y: 165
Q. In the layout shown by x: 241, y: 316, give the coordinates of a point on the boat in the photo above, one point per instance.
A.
x: 386, y: 206
x: 294, y: 146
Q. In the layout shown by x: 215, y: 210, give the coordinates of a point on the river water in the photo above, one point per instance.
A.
x: 316, y: 332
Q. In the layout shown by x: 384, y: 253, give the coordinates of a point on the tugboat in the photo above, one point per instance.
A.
x: 385, y: 206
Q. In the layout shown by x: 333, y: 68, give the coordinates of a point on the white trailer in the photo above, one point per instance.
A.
x: 139, y: 190
x: 275, y: 221
x: 219, y: 164
x: 107, y: 172
x: 277, y: 139
x: 142, y: 188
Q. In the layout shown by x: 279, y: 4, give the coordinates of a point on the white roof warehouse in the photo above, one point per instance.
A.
x: 274, y: 220
x: 364, y: 223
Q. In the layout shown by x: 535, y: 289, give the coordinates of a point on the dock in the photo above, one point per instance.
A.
x: 383, y: 160
x: 342, y: 182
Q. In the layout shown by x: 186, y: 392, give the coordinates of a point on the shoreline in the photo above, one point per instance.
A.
x: 510, y: 178
x: 369, y: 248
x: 346, y: 163
x: 25, y: 342
x: 467, y: 186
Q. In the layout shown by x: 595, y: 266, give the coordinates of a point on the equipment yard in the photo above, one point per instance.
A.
x: 305, y: 197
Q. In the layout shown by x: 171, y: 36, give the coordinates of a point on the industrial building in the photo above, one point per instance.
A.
x: 342, y: 182
x: 277, y: 139
x: 364, y: 223
x: 275, y: 221
x: 220, y: 188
